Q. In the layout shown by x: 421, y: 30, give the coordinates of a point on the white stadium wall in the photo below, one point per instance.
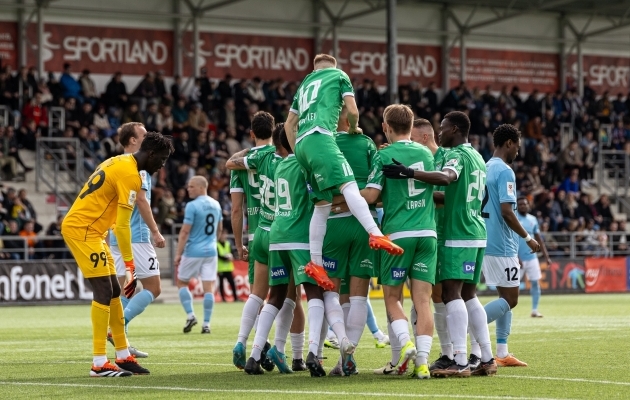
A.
x: 132, y: 40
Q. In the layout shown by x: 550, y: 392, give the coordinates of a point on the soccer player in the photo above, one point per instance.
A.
x: 108, y: 197
x: 529, y: 260
x: 459, y: 267
x: 264, y: 163
x: 310, y: 125
x: 143, y: 229
x: 405, y: 201
x: 196, y: 253
x: 500, y: 263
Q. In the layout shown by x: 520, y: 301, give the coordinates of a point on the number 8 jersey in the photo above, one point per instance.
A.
x: 115, y: 182
x: 203, y: 214
x: 463, y: 224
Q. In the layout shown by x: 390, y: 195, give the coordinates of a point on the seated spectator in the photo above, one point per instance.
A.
x: 30, y: 213
x: 571, y: 184
x: 569, y: 205
x: 232, y: 144
x: 181, y: 199
x: 586, y: 209
x: 619, y: 239
x: 197, y: 121
x: 8, y: 163
x: 602, y: 248
x: 536, y: 185
x: 180, y: 116
x: 369, y: 123
x: 227, y: 114
x: 27, y: 135
x: 182, y: 148
x: 58, y: 246
x: 86, y: 116
x: 164, y: 122
x: 179, y: 179
x: 220, y: 147
x: 88, y: 87
x: 71, y: 88
x: 132, y: 114
x: 116, y: 92
x: 150, y: 117
x: 55, y: 89
x: 71, y: 114
x: 101, y: 122
x: 146, y: 91
x: 603, y: 210
x: 13, y: 248
x: 111, y: 147
x: 35, y: 111
x: 29, y: 234
x: 205, y: 151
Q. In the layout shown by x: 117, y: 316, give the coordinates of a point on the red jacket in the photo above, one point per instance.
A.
x: 37, y: 113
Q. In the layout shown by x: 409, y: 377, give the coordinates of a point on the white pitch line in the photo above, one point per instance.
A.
x: 549, y: 378
x: 307, y: 392
x: 152, y: 363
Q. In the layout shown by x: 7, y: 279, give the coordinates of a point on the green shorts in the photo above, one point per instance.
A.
x: 260, y: 249
x: 418, y: 262
x: 460, y: 263
x: 283, y: 261
x: 325, y: 165
x: 250, y: 267
x: 346, y: 250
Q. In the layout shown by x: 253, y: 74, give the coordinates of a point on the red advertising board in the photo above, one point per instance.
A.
x: 247, y: 56
x: 498, y: 68
x: 361, y: 60
x: 605, y: 275
x: 601, y: 72
x: 104, y: 50
x: 8, y: 43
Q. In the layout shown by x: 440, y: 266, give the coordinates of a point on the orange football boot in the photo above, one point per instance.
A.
x: 318, y: 273
x: 510, y: 361
x: 384, y: 243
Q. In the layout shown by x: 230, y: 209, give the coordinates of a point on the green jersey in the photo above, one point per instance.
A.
x: 244, y: 181
x: 408, y: 208
x: 264, y: 162
x: 439, y: 211
x: 361, y: 155
x: 464, y: 226
x: 293, y: 207
x: 318, y: 101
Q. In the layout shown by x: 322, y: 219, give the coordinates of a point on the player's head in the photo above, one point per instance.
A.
x: 507, y: 138
x: 455, y: 125
x: 154, y: 151
x: 397, y: 121
x: 422, y: 131
x: 523, y: 205
x: 262, y: 125
x: 280, y: 140
x: 324, y: 61
x: 131, y: 136
x: 197, y: 186
x: 343, y: 125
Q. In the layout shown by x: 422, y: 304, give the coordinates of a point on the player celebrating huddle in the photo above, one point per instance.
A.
x: 315, y: 113
x: 405, y: 201
x: 109, y: 197
x: 459, y: 268
x: 501, y: 267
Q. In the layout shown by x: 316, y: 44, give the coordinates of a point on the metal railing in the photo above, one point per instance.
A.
x: 60, y: 170
x: 613, y: 171
x: 56, y: 120
x: 5, y: 114
x: 43, y: 248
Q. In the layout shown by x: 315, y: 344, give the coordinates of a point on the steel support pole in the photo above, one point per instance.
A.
x: 462, y: 58
x: 563, y: 54
x: 195, y: 44
x: 446, y: 59
x: 335, y: 40
x: 392, y: 52
x: 21, y: 39
x: 178, y: 64
x: 580, y: 62
x: 40, y: 42
x: 316, y: 27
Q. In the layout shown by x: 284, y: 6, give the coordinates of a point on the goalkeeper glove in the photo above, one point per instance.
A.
x: 397, y: 171
x: 130, y: 287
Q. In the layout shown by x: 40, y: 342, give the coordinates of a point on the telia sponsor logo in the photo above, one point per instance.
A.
x: 278, y: 272
x: 330, y: 264
x: 398, y: 273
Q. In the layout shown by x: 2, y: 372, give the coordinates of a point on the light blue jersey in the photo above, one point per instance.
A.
x: 140, y: 232
x: 530, y: 223
x: 204, y: 215
x: 500, y: 188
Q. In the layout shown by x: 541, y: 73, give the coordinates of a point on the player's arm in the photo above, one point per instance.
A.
x: 147, y: 215
x: 437, y: 178
x: 371, y: 194
x: 290, y: 127
x: 507, y: 213
x: 184, y: 233
x: 438, y: 198
x: 541, y: 242
x: 237, y: 161
x: 353, y: 113
x: 237, y: 222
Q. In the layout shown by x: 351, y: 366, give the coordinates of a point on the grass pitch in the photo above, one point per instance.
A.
x: 577, y: 351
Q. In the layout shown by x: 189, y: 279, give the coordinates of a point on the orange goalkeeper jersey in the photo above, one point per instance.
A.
x: 116, y: 182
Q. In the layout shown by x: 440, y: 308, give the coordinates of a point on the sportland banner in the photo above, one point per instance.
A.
x: 38, y: 282
x: 103, y: 50
x: 601, y: 73
x: 8, y: 43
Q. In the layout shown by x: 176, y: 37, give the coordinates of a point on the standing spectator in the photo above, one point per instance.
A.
x: 176, y: 88
x: 34, y: 110
x: 145, y: 91
x: 571, y: 184
x: 205, y: 151
x: 8, y: 163
x: 256, y: 94
x: 11, y: 143
x: 30, y: 236
x: 88, y: 87
x: 182, y: 148
x: 197, y: 121
x: 225, y: 265
x: 116, y: 92
x: 160, y: 89
x: 180, y: 116
x: 205, y: 90
x: 55, y: 88
x: 71, y: 88
x: 224, y: 89
x: 164, y: 123
x: 150, y: 117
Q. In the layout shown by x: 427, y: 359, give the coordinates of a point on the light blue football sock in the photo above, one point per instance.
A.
x: 535, y: 291
x: 371, y: 319
x: 208, y: 305
x: 504, y: 326
x: 186, y: 298
x: 496, y: 308
x: 124, y: 300
x: 138, y: 304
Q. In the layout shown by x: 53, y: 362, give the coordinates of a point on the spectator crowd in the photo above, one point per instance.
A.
x: 209, y: 120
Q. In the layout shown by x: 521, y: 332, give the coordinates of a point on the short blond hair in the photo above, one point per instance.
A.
x: 200, y: 181
x: 399, y: 117
x: 324, y: 58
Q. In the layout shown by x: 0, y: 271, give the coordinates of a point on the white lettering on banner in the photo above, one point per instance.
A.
x: 261, y: 57
x: 605, y: 75
x: 114, y: 50
x: 39, y: 287
x: 363, y: 62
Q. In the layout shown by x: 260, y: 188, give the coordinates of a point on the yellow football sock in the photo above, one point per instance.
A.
x: 117, y: 324
x: 100, y: 320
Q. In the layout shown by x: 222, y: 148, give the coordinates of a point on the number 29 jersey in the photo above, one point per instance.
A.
x: 463, y: 225
x: 204, y: 214
x: 115, y: 182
